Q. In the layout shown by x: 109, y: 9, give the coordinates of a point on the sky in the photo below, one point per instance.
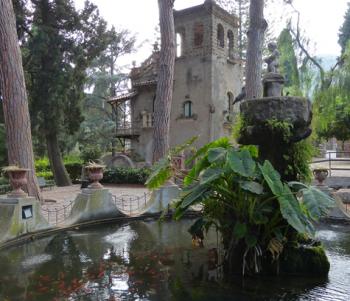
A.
x: 320, y: 21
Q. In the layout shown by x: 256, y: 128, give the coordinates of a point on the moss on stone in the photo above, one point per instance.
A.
x: 306, y: 260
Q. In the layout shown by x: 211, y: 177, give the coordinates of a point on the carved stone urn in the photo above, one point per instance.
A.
x: 95, y: 174
x: 320, y: 175
x: 18, y: 179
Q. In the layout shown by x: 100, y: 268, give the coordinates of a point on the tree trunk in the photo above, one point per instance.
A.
x: 257, y: 27
x: 164, y: 93
x: 14, y: 98
x: 56, y: 162
x: 113, y: 93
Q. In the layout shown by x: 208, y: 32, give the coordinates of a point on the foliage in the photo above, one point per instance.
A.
x: 332, y: 106
x: 246, y: 201
x: 73, y: 165
x: 123, y: 175
x: 74, y: 170
x: 344, y: 32
x: 47, y: 175
x: 42, y: 165
x: 105, y: 79
x: 281, y: 128
x: 91, y: 153
x: 59, y: 44
x: 288, y: 63
x: 299, y: 156
x: 4, y: 181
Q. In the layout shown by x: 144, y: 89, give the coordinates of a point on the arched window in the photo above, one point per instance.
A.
x: 187, y: 109
x: 230, y: 43
x: 180, y: 42
x: 198, y: 33
x: 221, y: 36
x: 229, y: 101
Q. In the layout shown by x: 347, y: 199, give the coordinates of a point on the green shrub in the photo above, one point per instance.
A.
x: 74, y: 170
x: 47, y: 175
x: 72, y: 159
x: 4, y: 181
x: 73, y: 165
x: 122, y: 175
x: 91, y: 153
x: 42, y: 165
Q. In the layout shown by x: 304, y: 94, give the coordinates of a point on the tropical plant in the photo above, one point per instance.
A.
x: 256, y: 212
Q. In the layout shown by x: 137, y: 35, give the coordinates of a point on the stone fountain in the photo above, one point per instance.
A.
x: 275, y: 122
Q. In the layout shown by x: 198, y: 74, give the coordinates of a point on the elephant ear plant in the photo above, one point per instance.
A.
x: 257, y: 214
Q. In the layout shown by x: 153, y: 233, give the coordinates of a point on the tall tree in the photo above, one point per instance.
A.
x: 107, y: 79
x: 14, y: 98
x: 63, y: 43
x: 256, y: 31
x: 344, y: 32
x: 288, y: 62
x: 165, y: 83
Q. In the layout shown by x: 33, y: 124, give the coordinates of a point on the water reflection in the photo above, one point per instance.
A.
x: 152, y: 261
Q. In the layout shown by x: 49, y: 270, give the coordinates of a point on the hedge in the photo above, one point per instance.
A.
x: 123, y: 175
x: 73, y: 166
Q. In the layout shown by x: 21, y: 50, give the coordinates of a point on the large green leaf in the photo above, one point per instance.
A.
x: 317, y: 202
x: 160, y: 174
x: 241, y: 162
x: 252, y: 186
x: 195, y: 195
x: 217, y: 154
x: 296, y: 186
x: 200, y: 165
x: 272, y: 178
x: 209, y: 175
x: 292, y: 211
x: 240, y: 230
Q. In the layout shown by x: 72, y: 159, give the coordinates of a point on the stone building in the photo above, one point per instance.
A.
x: 208, y: 75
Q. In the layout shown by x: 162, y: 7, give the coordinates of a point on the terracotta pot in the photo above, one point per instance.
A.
x: 18, y: 179
x: 95, y: 175
x: 320, y: 175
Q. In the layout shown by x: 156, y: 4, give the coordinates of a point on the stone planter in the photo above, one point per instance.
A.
x: 95, y: 174
x: 320, y: 175
x: 18, y: 179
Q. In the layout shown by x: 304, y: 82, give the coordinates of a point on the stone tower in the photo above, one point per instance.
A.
x: 208, y: 75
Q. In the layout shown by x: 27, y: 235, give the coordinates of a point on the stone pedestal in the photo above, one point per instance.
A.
x: 91, y: 205
x: 273, y: 84
x: 20, y: 216
x: 162, y: 198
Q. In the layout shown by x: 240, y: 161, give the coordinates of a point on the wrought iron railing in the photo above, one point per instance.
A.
x: 130, y: 204
x: 332, y: 159
x: 57, y: 215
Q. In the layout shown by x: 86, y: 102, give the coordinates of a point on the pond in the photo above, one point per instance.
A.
x: 146, y: 260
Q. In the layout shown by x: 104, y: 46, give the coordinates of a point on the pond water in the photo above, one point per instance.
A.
x: 151, y: 261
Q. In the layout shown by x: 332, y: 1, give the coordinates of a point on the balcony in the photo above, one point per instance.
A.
x: 128, y: 132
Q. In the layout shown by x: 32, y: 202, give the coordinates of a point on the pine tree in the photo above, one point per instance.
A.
x: 105, y: 79
x: 165, y: 83
x: 344, y: 32
x: 63, y: 43
x: 14, y: 98
x: 288, y: 62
